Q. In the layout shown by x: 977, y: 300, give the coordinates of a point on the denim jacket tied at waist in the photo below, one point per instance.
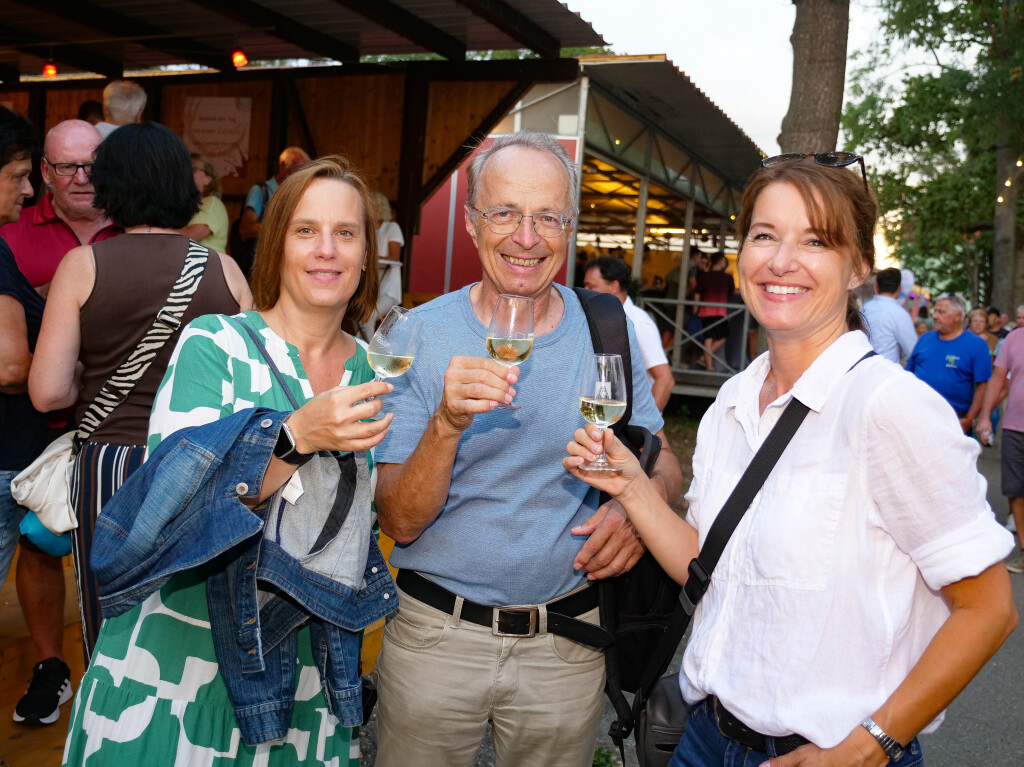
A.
x: 182, y: 509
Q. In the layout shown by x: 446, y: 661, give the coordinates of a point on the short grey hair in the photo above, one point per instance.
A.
x: 956, y: 301
x: 527, y: 139
x: 123, y: 100
x: 1020, y: 309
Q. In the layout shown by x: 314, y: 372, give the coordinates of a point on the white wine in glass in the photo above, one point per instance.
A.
x: 510, y: 334
x: 602, y: 400
x: 393, y: 347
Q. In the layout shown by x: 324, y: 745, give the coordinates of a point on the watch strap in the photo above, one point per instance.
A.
x: 892, y: 747
x: 285, y: 448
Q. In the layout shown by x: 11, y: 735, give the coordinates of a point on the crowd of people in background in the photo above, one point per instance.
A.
x: 131, y: 307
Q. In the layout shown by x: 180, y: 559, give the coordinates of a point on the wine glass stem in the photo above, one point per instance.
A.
x: 602, y: 459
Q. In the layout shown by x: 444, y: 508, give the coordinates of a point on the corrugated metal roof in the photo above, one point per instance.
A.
x: 31, y: 32
x: 665, y: 97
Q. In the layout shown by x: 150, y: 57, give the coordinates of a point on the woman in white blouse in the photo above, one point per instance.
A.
x: 864, y: 587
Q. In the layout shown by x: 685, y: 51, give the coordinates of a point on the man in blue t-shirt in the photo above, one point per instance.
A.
x: 482, y: 510
x: 290, y: 160
x: 954, y: 363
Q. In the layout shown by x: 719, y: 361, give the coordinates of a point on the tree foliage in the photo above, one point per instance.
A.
x: 948, y: 133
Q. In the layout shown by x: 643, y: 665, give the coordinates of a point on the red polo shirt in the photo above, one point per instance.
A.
x: 41, y: 238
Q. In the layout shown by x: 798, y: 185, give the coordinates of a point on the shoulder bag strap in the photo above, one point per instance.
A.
x: 167, y: 322
x: 722, y: 528
x: 261, y: 347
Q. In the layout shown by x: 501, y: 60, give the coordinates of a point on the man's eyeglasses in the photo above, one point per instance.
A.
x: 546, y: 223
x: 69, y: 168
x: 830, y: 159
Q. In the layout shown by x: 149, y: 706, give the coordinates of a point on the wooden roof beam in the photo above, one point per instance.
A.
x: 252, y: 14
x: 394, y: 17
x: 117, y: 25
x: 514, y: 24
x: 71, y: 55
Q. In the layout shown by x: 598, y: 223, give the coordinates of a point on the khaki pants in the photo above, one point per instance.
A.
x: 440, y: 681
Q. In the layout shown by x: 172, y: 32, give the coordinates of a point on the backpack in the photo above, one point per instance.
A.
x: 244, y: 251
x: 640, y: 608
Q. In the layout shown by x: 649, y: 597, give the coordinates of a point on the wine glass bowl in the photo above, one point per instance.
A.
x: 393, y: 347
x: 602, y: 400
x: 510, y: 334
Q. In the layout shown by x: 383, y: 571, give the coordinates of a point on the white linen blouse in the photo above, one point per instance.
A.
x: 827, y: 593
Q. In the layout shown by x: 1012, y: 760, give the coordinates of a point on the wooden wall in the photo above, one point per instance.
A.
x: 357, y: 114
x: 63, y: 104
x: 172, y: 114
x: 17, y: 99
x: 456, y: 109
x: 359, y: 117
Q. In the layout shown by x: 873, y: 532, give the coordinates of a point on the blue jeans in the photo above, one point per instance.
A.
x: 704, y: 746
x: 11, y: 513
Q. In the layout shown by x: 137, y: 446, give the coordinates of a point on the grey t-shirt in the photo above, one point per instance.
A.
x: 503, y: 535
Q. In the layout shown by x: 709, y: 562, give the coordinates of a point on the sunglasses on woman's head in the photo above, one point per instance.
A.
x: 829, y: 159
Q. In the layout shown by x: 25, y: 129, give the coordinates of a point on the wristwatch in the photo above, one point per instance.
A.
x: 889, y: 744
x: 285, y: 448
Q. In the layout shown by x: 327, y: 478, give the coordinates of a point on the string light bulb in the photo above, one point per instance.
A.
x: 238, y: 57
x: 999, y: 198
x: 1020, y: 163
x: 49, y: 69
x: 1008, y: 182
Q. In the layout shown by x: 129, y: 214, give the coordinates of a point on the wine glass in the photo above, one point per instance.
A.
x: 510, y: 334
x: 393, y: 346
x: 602, y: 399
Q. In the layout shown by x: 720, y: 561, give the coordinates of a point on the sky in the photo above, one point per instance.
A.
x: 736, y: 51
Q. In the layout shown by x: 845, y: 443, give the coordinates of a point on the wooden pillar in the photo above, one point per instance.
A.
x: 410, y: 164
x: 278, y: 135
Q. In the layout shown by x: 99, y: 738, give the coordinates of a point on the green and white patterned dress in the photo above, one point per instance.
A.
x: 153, y: 694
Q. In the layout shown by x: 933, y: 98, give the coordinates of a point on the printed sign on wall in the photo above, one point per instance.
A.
x: 219, y: 128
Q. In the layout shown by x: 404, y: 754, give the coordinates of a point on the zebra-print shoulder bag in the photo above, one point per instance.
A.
x: 44, y: 486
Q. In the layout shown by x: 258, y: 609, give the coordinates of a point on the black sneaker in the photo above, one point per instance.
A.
x: 49, y: 689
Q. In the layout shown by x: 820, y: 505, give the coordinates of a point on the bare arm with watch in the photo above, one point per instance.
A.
x: 982, y: 616
x: 332, y: 420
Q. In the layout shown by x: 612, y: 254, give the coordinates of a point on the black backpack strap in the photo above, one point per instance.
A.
x: 609, y: 334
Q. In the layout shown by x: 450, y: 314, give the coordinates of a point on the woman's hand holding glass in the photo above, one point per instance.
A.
x: 589, y: 443
x: 342, y: 419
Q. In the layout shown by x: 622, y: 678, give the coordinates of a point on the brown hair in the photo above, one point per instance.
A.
x: 212, y: 188
x: 842, y: 210
x: 266, y: 271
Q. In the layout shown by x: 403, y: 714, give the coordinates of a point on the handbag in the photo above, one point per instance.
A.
x: 659, y: 709
x: 44, y: 486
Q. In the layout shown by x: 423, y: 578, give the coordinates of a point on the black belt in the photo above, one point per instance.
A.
x: 519, y: 621
x: 734, y: 729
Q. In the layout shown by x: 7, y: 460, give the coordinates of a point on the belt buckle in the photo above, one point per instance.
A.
x: 496, y: 617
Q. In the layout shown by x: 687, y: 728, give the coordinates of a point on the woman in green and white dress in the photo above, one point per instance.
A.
x: 153, y: 693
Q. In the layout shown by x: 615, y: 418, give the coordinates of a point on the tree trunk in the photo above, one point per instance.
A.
x: 819, y: 76
x: 1006, y: 288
